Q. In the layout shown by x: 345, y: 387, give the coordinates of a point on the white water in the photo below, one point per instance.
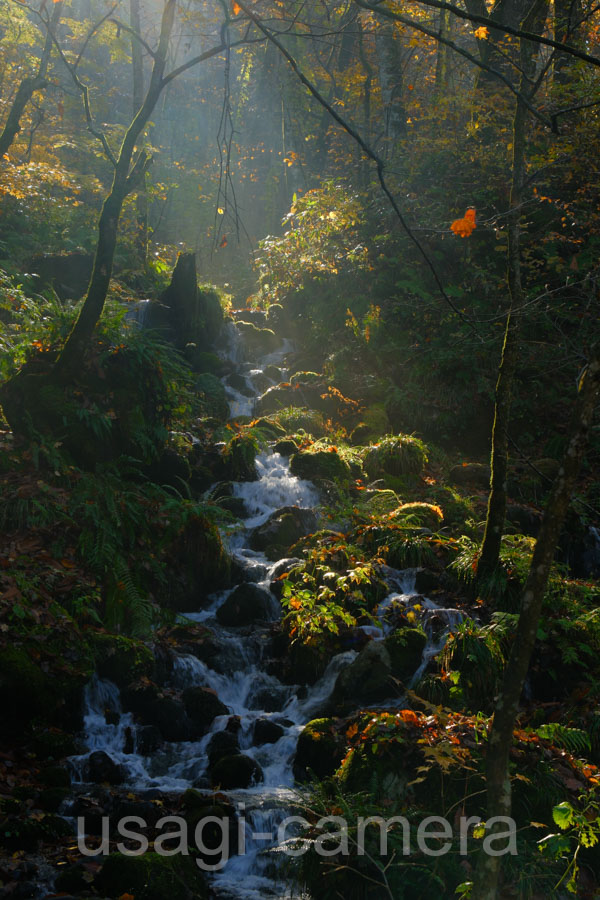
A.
x: 177, y: 766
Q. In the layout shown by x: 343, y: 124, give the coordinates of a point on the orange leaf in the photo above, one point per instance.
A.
x: 465, y: 226
x: 482, y: 33
x: 352, y: 731
x: 236, y: 8
x: 224, y: 242
x: 126, y: 897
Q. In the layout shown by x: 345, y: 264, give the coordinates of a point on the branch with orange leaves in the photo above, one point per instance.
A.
x: 488, y: 21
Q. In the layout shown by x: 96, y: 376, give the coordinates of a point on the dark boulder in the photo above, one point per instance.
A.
x: 101, y: 768
x: 239, y: 771
x: 246, y: 604
x: 282, y: 529
x: 202, y: 707
x: 267, y: 732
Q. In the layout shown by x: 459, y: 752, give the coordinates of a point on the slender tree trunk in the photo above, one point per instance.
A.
x: 137, y: 71
x: 27, y: 89
x: 499, y: 799
x: 390, y: 79
x: 494, y: 525
x: 126, y: 179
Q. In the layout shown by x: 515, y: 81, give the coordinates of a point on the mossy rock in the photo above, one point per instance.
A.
x: 151, y: 876
x: 267, y: 429
x: 238, y: 459
x: 198, y: 565
x: 204, y: 362
x: 286, y: 447
x: 202, y: 707
x: 456, y: 508
x: 366, y: 679
x: 306, y: 378
x: 28, y: 691
x: 477, y: 474
x: 283, y: 529
x: 319, y: 465
x: 295, y: 419
x: 405, y: 647
x: 121, y: 659
x: 374, y: 424
x: 258, y: 341
x: 425, y: 515
x: 212, y: 396
x: 401, y: 455
x: 237, y: 771
x: 381, y: 503
x: 248, y: 603
x: 320, y: 749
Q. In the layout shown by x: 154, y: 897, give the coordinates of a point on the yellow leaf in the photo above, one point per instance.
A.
x: 220, y: 210
x: 482, y: 33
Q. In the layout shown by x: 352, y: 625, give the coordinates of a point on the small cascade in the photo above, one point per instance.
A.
x: 239, y: 679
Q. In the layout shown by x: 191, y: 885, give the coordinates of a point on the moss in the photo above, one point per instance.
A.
x: 294, y: 419
x: 151, y: 877
x: 121, y: 659
x: 405, y: 647
x: 212, y: 396
x: 238, y: 459
x: 380, y: 503
x: 400, y: 455
x: 426, y: 515
x: 320, y: 749
x: 320, y: 465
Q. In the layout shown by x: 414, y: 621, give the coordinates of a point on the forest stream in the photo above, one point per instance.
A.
x: 264, y: 716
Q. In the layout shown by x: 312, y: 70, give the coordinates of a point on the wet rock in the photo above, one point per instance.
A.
x: 273, y: 373
x: 258, y: 341
x: 320, y: 465
x: 120, y: 659
x: 239, y: 771
x: 246, y: 604
x: 240, y: 383
x: 147, y: 740
x: 477, y: 474
x: 153, y: 708
x: 282, y: 529
x: 274, y: 399
x: 101, y: 768
x: 366, y: 679
x: 286, y: 447
x: 222, y: 744
x: 269, y: 698
x: 267, y: 732
x: 320, y: 750
x: 405, y: 648
x: 426, y: 581
x: 202, y: 707
x: 200, y: 811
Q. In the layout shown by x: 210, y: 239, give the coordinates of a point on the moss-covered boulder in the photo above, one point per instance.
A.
x: 282, y: 529
x: 476, y: 474
x: 198, y: 565
x: 424, y: 515
x: 238, y: 459
x: 366, y: 679
x: 381, y: 503
x: 121, y: 659
x: 212, y: 397
x: 257, y: 341
x: 400, y: 455
x: 320, y: 749
x: 151, y: 876
x: 222, y: 744
x: 286, y: 447
x: 405, y: 648
x: 320, y: 465
x: 247, y: 603
x: 238, y: 771
x: 34, y: 687
x: 301, y: 419
x: 202, y: 707
x: 275, y: 398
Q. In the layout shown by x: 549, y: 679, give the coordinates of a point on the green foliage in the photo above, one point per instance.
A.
x: 580, y: 828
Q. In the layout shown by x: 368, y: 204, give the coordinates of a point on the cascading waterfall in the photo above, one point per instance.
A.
x: 244, y: 685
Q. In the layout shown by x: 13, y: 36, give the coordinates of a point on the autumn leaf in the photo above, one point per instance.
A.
x: 465, y: 226
x: 482, y: 33
x: 352, y: 731
x: 236, y: 8
x: 224, y: 242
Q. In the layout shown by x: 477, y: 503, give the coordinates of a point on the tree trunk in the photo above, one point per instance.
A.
x: 494, y: 525
x: 124, y: 182
x: 137, y: 72
x: 390, y: 79
x: 501, y: 734
x: 27, y: 89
